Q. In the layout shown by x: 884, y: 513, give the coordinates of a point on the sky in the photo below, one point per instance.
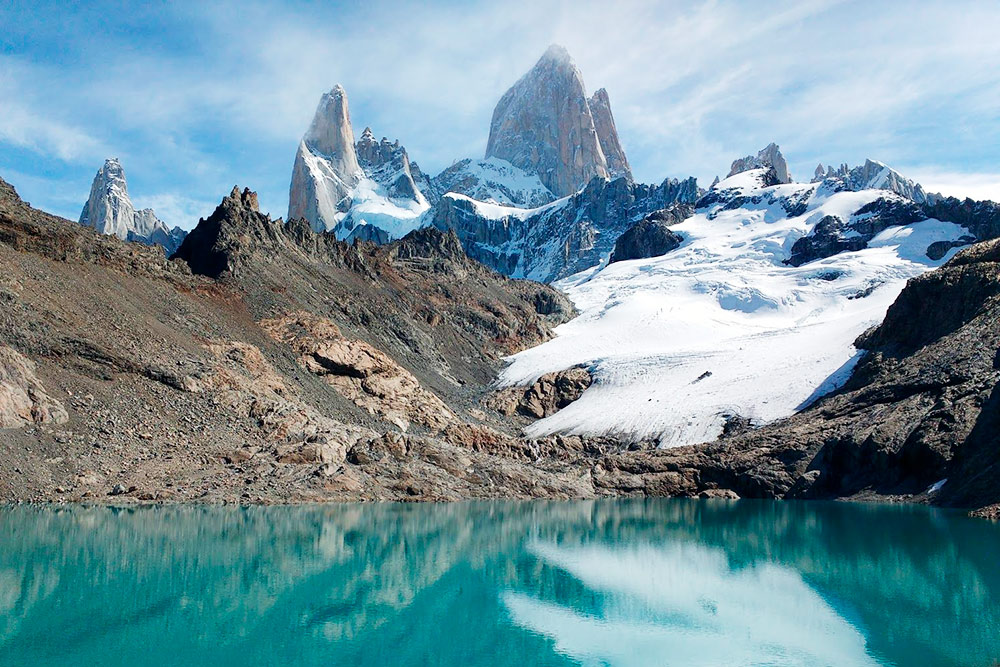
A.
x: 197, y: 97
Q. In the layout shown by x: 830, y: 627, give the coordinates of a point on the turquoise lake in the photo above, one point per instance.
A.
x: 615, y: 582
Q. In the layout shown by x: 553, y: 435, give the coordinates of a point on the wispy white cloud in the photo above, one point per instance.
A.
x: 217, y: 100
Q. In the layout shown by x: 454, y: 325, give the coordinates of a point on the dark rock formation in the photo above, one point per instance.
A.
x: 652, y: 236
x: 235, y: 230
x: 829, y: 237
x: 832, y: 235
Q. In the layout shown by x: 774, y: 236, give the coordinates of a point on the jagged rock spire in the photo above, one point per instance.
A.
x: 110, y: 211
x: 326, y: 165
x: 331, y: 135
x: 607, y: 135
x: 109, y: 208
x: 769, y: 156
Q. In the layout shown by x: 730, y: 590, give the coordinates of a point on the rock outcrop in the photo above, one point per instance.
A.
x: 23, y: 399
x: 109, y: 210
x: 549, y: 394
x: 544, y: 125
x: 235, y: 231
x: 651, y: 236
x: 561, y: 238
x: 769, y: 156
x: 361, y: 373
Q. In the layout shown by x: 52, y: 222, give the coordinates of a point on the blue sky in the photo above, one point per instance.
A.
x: 197, y: 97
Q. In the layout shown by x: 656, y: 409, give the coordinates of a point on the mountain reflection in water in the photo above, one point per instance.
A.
x: 619, y: 582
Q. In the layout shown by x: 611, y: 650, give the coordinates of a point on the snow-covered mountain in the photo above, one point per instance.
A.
x: 873, y: 175
x: 560, y: 238
x: 726, y: 326
x: 109, y: 210
x: 493, y: 181
x: 368, y: 189
x: 547, y: 141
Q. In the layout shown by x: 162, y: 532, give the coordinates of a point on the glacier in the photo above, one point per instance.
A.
x: 722, y: 327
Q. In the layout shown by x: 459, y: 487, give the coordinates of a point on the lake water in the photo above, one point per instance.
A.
x: 618, y: 582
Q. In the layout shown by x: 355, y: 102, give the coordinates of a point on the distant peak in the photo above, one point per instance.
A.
x: 556, y: 53
x: 337, y: 91
x: 769, y: 156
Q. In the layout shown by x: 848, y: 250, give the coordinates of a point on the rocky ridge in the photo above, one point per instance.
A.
x: 301, y: 368
x: 561, y: 238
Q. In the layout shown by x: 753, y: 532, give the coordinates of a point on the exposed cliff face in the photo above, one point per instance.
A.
x: 561, y: 238
x: 109, y: 210
x: 607, y: 135
x: 330, y: 134
x: 545, y: 126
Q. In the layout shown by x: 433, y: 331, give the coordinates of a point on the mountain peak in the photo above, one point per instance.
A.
x: 607, y: 134
x: 330, y: 132
x: 769, y: 156
x: 544, y: 125
x: 110, y: 211
x: 556, y: 53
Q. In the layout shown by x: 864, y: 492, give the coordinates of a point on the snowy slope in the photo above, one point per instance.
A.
x: 372, y: 205
x: 492, y: 180
x: 341, y: 204
x: 721, y: 326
